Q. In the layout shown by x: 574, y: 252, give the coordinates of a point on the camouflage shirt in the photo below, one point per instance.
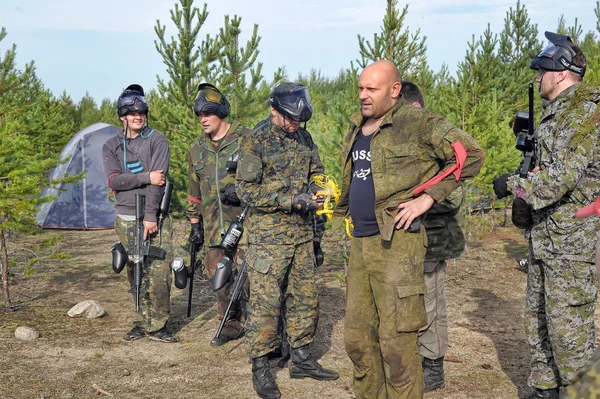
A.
x: 442, y: 225
x: 274, y: 166
x: 568, y: 155
x: 406, y: 151
x: 207, y: 173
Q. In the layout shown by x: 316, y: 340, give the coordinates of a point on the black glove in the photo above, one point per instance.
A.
x: 319, y: 256
x: 196, y: 236
x: 303, y: 203
x: 229, y: 196
x: 500, y: 186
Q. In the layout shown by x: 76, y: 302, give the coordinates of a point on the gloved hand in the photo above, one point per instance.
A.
x: 229, y: 196
x: 500, y: 186
x: 319, y: 256
x: 303, y: 203
x: 196, y: 236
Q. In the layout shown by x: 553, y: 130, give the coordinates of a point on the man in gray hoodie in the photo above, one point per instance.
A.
x: 136, y: 161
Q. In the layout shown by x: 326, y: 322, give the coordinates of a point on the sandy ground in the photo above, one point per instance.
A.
x: 488, y: 356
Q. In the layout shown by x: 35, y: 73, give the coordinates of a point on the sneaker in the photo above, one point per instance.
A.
x: 163, y: 335
x: 136, y: 332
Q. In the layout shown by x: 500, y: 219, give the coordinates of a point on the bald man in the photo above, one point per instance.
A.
x: 397, y: 161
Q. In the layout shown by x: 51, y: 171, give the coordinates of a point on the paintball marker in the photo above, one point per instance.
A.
x: 229, y: 244
x: 142, y: 249
x: 195, y: 246
x: 236, y: 294
x: 523, y: 127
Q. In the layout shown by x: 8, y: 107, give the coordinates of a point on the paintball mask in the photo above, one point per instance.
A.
x: 557, y: 55
x: 292, y: 101
x: 132, y: 100
x: 211, y: 101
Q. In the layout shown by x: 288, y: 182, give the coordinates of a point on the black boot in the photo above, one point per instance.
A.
x: 303, y: 365
x: 545, y: 394
x: 262, y: 379
x: 433, y: 373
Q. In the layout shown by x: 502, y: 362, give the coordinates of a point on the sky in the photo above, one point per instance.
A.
x: 100, y: 47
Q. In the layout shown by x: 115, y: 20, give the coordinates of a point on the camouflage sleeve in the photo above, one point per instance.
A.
x: 443, y: 135
x: 249, y: 180
x: 570, y: 161
x: 194, y: 199
x: 316, y: 165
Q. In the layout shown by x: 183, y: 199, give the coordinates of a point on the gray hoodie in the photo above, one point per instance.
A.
x: 127, y: 165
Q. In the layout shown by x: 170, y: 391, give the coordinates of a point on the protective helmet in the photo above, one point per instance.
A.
x: 292, y: 101
x: 557, y: 55
x: 211, y: 101
x: 132, y: 100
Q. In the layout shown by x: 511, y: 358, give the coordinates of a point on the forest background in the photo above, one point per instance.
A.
x: 489, y: 86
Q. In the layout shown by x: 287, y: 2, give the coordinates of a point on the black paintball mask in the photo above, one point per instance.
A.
x: 132, y: 100
x: 557, y: 55
x: 210, y: 100
x: 292, y: 101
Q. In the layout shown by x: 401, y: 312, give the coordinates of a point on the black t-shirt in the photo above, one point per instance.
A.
x: 362, y: 191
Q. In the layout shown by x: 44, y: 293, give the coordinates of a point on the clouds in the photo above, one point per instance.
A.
x: 102, y: 46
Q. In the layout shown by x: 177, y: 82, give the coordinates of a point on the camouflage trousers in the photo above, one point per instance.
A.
x: 270, y: 268
x: 236, y: 315
x: 559, y: 319
x: 587, y: 382
x: 385, y: 309
x: 433, y: 338
x: 155, y: 300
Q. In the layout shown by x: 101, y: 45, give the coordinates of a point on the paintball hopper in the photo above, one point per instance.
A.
x: 181, y: 273
x: 588, y: 210
x: 119, y: 257
x: 222, y: 274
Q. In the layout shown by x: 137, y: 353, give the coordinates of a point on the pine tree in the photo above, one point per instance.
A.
x: 394, y: 43
x: 24, y: 164
x: 184, y: 60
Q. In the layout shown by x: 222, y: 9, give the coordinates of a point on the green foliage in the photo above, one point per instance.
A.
x: 394, y: 43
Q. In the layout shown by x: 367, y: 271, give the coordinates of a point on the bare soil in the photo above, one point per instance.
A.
x: 488, y: 355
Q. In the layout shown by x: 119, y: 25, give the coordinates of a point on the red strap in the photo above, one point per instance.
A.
x: 110, y: 177
x: 194, y: 199
x: 461, y: 156
x: 588, y: 210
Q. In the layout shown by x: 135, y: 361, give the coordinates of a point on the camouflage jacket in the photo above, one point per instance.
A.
x: 406, y: 151
x: 444, y: 233
x: 274, y: 166
x: 568, y: 155
x: 207, y: 173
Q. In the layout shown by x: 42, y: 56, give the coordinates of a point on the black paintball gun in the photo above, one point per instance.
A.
x: 224, y: 270
x: 524, y: 129
x: 195, y: 246
x: 142, y: 250
x: 229, y: 245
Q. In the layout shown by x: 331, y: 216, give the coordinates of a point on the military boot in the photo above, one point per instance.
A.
x: 304, y: 365
x: 433, y: 373
x: 545, y: 394
x: 262, y: 379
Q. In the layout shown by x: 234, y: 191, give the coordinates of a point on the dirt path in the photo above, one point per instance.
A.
x: 488, y: 357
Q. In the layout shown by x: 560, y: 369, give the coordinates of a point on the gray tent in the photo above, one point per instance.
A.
x: 84, y: 204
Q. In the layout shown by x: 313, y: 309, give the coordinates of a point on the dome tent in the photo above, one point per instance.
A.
x: 83, y: 204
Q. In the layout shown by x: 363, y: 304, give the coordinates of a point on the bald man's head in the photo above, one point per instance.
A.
x: 379, y: 88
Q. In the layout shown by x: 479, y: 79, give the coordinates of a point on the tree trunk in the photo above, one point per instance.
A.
x: 4, y: 263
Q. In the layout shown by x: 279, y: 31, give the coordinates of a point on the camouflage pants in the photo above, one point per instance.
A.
x: 587, y: 383
x: 559, y: 319
x: 433, y: 338
x: 235, y: 318
x: 155, y: 300
x: 384, y: 311
x: 270, y: 268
